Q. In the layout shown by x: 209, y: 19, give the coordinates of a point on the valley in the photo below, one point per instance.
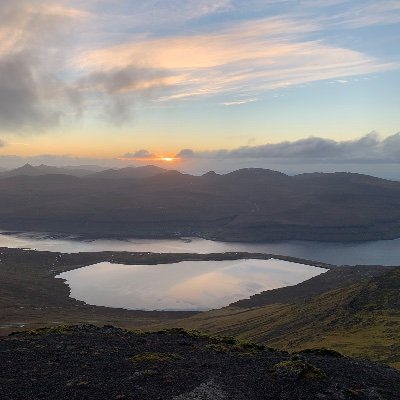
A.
x: 352, y: 309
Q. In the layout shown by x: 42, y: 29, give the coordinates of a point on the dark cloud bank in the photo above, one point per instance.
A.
x: 368, y: 149
x: 368, y: 155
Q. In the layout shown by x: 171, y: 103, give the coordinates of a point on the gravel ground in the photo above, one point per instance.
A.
x: 88, y: 362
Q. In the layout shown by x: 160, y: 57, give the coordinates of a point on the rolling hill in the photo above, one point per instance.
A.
x: 337, y: 310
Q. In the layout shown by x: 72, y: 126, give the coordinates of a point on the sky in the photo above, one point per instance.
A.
x: 293, y: 85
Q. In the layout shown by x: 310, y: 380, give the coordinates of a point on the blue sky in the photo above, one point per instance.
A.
x: 96, y: 80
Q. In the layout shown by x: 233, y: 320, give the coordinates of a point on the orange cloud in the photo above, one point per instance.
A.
x: 252, y: 56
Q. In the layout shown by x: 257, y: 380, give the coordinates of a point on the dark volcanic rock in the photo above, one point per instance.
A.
x: 87, y: 362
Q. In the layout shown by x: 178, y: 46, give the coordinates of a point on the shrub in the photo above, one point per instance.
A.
x: 303, y: 369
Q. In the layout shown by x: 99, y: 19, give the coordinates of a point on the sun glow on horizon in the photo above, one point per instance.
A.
x: 167, y: 159
x: 160, y: 158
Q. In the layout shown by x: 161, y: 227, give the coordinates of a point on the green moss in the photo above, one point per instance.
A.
x: 154, y: 357
x: 137, y: 332
x: 149, y: 372
x: 219, y: 340
x: 250, y: 346
x: 236, y: 344
x: 60, y: 329
x: 219, y: 348
x: 185, y: 332
x: 229, y: 340
x: 303, y: 369
x: 322, y: 352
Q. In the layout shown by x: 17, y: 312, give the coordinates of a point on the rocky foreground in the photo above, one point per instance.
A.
x: 88, y: 362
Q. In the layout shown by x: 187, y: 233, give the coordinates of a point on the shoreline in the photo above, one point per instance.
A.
x: 264, y: 234
x: 32, y: 296
x: 85, y: 237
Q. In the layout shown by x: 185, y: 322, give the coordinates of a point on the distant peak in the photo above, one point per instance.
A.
x: 210, y: 174
x: 255, y: 171
x: 173, y: 172
x: 150, y: 166
x: 26, y: 167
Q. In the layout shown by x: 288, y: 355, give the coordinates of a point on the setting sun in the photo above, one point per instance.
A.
x: 167, y: 159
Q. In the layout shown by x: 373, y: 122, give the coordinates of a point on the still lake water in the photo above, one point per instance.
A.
x: 382, y: 252
x: 187, y: 285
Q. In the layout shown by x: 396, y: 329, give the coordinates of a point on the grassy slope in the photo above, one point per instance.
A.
x: 361, y: 320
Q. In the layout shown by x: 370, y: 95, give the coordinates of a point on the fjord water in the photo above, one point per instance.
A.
x: 188, y: 285
x: 382, y: 252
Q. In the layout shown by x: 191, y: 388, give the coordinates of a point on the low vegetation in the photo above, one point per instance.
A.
x: 300, y: 368
x: 221, y: 343
x: 358, y: 320
x: 58, y: 330
x: 111, y: 363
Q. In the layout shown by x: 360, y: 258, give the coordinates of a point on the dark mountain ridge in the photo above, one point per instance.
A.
x: 129, y: 173
x: 90, y: 171
x: 30, y: 170
x: 244, y: 205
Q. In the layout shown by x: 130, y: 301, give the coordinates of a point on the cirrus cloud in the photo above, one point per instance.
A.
x: 251, y: 56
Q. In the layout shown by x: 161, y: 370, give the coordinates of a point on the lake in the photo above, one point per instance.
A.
x: 383, y: 252
x: 187, y: 285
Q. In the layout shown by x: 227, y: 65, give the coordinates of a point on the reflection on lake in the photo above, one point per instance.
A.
x: 382, y: 252
x: 188, y: 285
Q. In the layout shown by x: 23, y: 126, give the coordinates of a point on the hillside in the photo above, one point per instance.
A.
x: 355, y: 310
x: 356, y: 317
x: 245, y: 205
x: 77, y: 362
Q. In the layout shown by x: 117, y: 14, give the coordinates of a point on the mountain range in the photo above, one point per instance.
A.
x: 30, y: 170
x: 89, y: 171
x: 245, y: 205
